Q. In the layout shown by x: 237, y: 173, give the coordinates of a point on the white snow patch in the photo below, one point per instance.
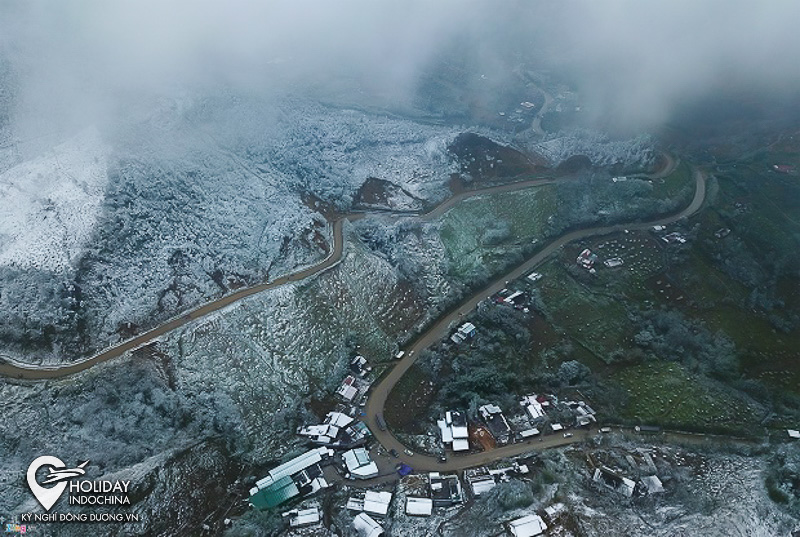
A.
x: 49, y: 204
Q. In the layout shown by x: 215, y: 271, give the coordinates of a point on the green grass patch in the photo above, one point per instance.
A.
x: 480, y: 234
x: 595, y: 320
x: 408, y: 400
x: 678, y: 183
x: 665, y: 393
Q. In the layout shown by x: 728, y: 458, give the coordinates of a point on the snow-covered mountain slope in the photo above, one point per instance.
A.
x: 187, y: 200
x: 50, y: 204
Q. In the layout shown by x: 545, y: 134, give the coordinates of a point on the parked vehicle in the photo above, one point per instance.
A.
x: 408, y: 452
x: 393, y: 452
x: 381, y: 423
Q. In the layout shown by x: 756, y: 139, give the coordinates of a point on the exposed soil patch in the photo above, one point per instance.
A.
x: 480, y: 436
x: 383, y: 194
x: 326, y: 209
x: 483, y: 160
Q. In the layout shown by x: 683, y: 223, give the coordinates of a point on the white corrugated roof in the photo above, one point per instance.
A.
x: 293, y: 466
x: 359, y: 463
x: 460, y: 444
x: 527, y: 526
x: 367, y: 526
x: 305, y: 517
x: 419, y: 506
x: 377, y: 502
x: 337, y: 419
x: 484, y: 485
x: 447, y: 434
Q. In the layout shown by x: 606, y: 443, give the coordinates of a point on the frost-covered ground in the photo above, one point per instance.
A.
x: 182, y: 418
x: 49, y: 205
x: 108, y: 233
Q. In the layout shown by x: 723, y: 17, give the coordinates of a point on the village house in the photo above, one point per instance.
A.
x: 299, y: 518
x: 479, y: 480
x: 366, y: 526
x: 359, y: 464
x: 652, y: 485
x: 586, y: 259
x: 454, y: 431
x: 445, y: 490
x: 613, y: 480
x: 534, y: 406
x: 464, y: 332
x: 496, y: 422
x: 535, y: 276
x: 338, y: 430
x: 527, y: 526
x: 419, y: 506
x: 372, y: 502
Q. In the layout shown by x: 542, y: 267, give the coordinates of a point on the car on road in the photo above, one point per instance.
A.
x: 567, y: 435
x: 443, y: 458
x: 380, y: 421
x: 605, y: 429
x: 408, y: 452
x: 393, y: 452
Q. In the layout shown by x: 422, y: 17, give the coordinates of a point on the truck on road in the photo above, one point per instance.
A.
x: 381, y: 423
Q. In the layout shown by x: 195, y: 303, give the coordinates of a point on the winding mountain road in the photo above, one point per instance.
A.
x: 10, y: 368
x: 441, y: 328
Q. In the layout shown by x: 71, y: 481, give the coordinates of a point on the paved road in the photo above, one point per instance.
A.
x: 442, y: 328
x: 9, y: 368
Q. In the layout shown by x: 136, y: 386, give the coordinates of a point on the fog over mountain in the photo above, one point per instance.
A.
x: 84, y: 62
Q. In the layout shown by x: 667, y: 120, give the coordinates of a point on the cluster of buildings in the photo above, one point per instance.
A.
x: 638, y: 477
x: 337, y: 430
x: 586, y: 259
x: 369, y: 506
x: 432, y: 490
x: 454, y: 427
x: 300, y: 476
x: 482, y: 479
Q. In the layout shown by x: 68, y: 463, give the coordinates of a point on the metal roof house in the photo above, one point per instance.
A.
x: 303, y: 517
x: 359, y: 464
x: 366, y: 526
x: 419, y: 506
x: 445, y: 489
x: 497, y: 423
x: 377, y: 503
x: 480, y: 480
x: 534, y: 407
x: 453, y: 429
x: 465, y: 331
x: 299, y: 476
x: 527, y: 526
